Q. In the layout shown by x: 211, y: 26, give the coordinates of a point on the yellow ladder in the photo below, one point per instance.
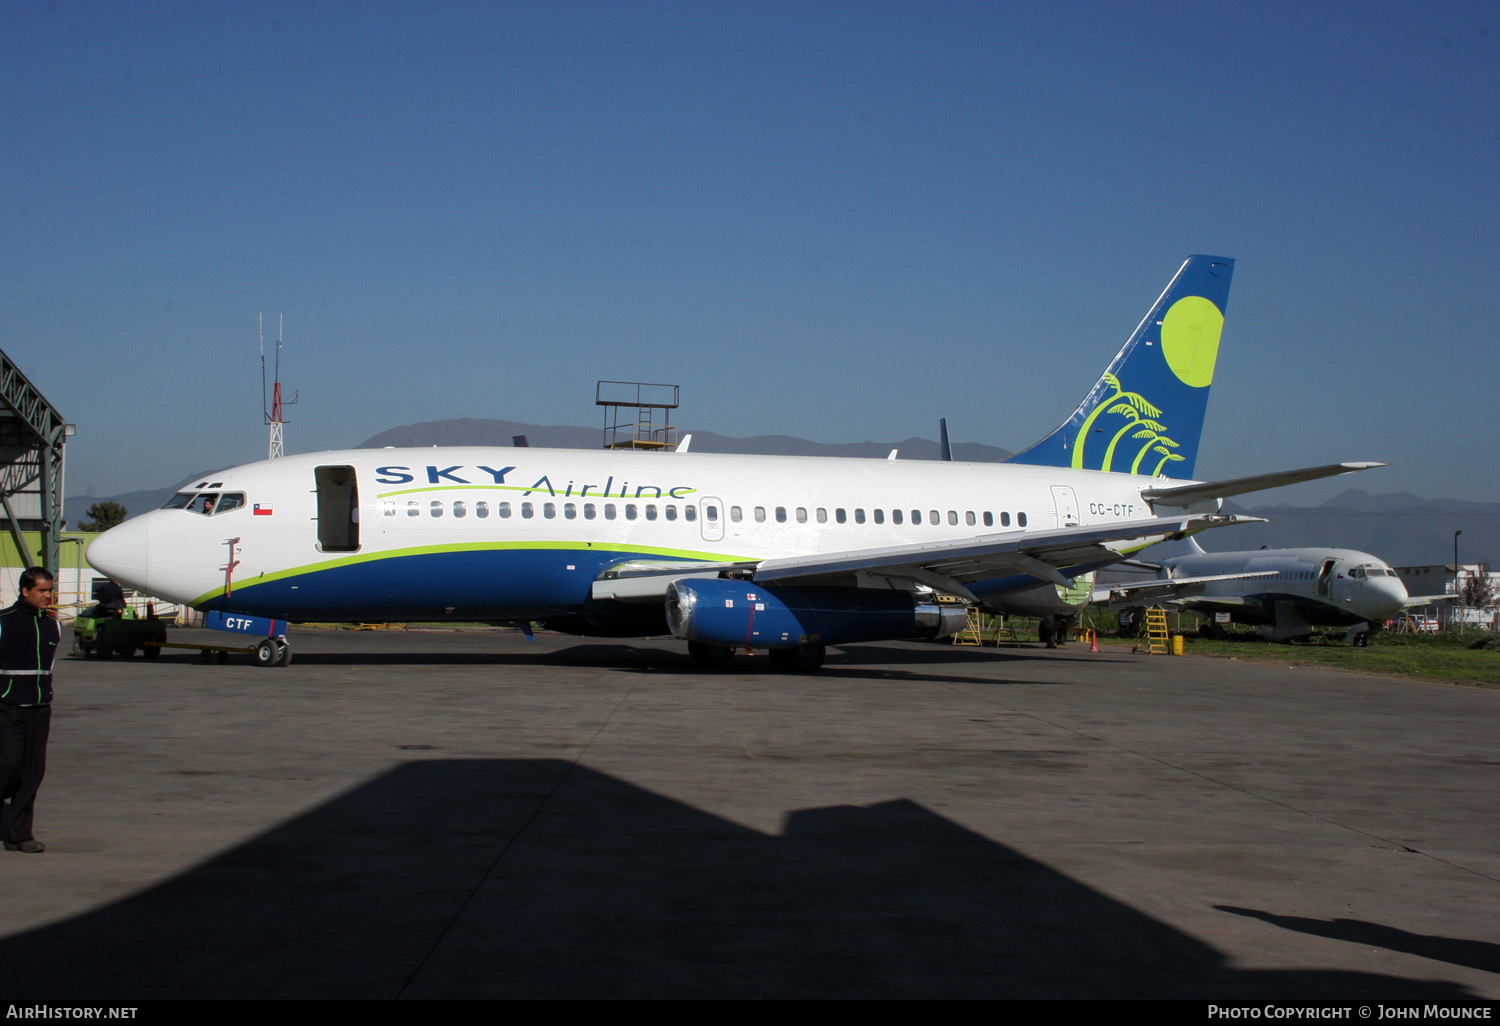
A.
x: 1154, y: 636
x: 971, y: 633
x: 975, y: 632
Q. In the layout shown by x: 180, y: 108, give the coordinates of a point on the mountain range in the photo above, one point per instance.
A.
x: 1402, y: 528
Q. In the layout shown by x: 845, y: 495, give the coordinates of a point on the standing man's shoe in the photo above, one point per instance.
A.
x: 31, y: 847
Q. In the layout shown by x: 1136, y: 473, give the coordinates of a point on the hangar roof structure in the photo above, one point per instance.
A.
x: 32, y: 438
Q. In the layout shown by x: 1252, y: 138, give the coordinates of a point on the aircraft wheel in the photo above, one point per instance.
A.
x: 710, y: 655
x: 205, y: 656
x: 151, y: 651
x: 222, y: 657
x: 802, y: 659
x: 283, y: 653
x: 266, y: 653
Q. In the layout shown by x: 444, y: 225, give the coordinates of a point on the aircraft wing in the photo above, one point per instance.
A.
x: 1166, y: 587
x: 1426, y: 600
x: 946, y: 565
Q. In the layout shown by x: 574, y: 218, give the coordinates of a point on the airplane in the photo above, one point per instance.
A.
x: 786, y: 555
x: 1285, y: 593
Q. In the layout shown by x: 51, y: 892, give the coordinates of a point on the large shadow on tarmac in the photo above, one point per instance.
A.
x: 538, y: 878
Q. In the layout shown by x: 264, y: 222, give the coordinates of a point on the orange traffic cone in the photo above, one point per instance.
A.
x: 1094, y: 641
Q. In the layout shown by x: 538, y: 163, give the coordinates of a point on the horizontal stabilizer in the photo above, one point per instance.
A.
x: 1187, y: 494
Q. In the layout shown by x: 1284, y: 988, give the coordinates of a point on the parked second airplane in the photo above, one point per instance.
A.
x: 784, y: 554
x: 1285, y: 593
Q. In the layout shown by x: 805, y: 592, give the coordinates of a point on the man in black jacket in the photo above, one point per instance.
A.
x: 28, y: 644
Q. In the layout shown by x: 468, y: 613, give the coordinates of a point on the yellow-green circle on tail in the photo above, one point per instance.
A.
x: 1190, y: 339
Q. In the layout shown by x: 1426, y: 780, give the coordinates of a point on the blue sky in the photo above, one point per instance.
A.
x: 834, y: 220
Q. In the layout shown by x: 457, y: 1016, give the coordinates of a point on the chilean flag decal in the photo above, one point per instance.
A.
x: 262, y: 509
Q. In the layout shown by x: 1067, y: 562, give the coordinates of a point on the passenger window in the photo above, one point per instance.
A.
x: 953, y: 518
x: 1020, y: 519
x: 413, y: 508
x: 609, y: 511
x: 781, y: 514
x: 734, y: 514
x: 527, y: 511
x: 503, y: 509
x: 459, y: 510
x: 822, y: 515
x: 895, y: 516
x: 760, y: 514
x: 840, y: 515
x: 435, y: 508
x: 570, y: 511
x: 691, y: 513
x: 388, y: 507
x: 969, y: 518
x: 650, y: 511
x: 671, y: 512
x: 801, y: 514
x: 588, y: 511
x: 1004, y: 519
x: 549, y: 510
x: 481, y: 510
x: 859, y: 514
x: 989, y: 519
x: 933, y: 518
x: 630, y: 511
x: 879, y: 516
x: 916, y: 516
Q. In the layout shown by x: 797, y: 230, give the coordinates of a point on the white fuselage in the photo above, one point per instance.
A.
x: 1314, y: 585
x: 480, y: 533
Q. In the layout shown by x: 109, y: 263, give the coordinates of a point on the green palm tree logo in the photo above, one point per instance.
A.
x: 1121, y: 401
x: 1150, y: 436
x: 1146, y: 426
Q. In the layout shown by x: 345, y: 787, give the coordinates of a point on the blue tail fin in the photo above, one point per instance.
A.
x: 1145, y: 415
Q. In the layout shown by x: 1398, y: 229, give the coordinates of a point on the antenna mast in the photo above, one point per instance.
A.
x: 273, y: 414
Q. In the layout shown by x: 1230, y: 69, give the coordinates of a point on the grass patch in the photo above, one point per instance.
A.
x: 1470, y: 657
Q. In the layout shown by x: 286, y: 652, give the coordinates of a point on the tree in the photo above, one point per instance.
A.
x: 1478, y: 589
x: 106, y: 514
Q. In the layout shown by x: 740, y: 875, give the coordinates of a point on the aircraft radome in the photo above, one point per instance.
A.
x: 782, y: 554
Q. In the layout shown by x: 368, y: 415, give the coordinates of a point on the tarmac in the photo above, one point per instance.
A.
x: 476, y: 815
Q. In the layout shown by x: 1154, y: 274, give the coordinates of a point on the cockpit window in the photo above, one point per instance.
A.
x: 206, y: 503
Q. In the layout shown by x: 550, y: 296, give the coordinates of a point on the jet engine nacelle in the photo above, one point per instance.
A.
x: 742, y: 613
x: 1047, y: 599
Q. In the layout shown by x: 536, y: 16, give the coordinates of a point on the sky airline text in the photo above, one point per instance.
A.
x: 459, y: 474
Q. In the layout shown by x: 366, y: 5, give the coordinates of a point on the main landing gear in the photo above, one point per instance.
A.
x: 802, y: 659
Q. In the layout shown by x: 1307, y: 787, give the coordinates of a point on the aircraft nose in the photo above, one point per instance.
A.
x: 1382, y: 598
x: 122, y: 553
